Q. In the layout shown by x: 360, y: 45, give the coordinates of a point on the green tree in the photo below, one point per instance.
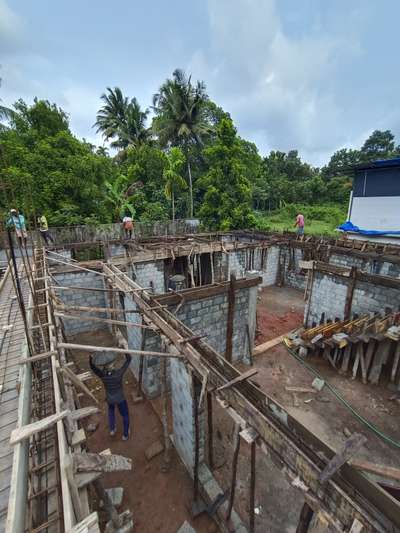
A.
x: 144, y: 167
x: 227, y: 201
x: 45, y: 169
x: 122, y: 120
x: 172, y: 175
x: 117, y: 194
x: 341, y: 163
x: 379, y: 145
x: 181, y: 117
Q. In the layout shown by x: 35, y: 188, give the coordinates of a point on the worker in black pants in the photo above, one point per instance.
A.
x: 112, y: 381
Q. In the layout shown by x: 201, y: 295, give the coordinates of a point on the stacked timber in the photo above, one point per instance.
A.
x: 364, y: 346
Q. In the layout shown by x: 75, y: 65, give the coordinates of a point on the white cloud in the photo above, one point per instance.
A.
x: 11, y: 28
x: 275, y: 85
x: 81, y: 103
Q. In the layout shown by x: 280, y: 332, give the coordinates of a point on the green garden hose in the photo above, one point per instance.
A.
x: 357, y: 415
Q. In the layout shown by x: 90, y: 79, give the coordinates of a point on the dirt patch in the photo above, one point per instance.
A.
x: 279, y: 310
x: 322, y: 413
x: 158, y: 501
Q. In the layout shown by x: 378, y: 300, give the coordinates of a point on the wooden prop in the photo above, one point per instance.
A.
x: 90, y: 348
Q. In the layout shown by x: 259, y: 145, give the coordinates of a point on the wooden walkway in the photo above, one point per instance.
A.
x: 12, y: 340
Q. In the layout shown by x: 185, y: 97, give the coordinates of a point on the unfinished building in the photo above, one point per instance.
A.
x: 229, y: 433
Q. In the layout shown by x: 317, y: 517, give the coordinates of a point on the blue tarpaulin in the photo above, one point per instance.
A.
x: 349, y: 226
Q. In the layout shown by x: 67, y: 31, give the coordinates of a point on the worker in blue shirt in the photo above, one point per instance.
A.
x: 17, y: 221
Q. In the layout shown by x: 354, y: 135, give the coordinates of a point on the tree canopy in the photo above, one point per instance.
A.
x: 188, y: 160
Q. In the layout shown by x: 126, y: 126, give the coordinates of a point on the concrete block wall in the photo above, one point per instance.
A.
x: 271, y: 265
x: 209, y: 317
x: 151, y: 365
x: 221, y: 266
x: 81, y: 298
x: 116, y: 249
x: 62, y: 255
x: 150, y: 271
x: 294, y: 276
x: 204, y: 317
x: 371, y: 266
x: 237, y: 263
x: 370, y: 298
x: 328, y: 295
x: 182, y: 396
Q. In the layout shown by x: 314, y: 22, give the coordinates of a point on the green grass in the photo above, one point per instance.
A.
x: 319, y: 219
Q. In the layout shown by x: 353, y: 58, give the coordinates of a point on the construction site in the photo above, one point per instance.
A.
x: 263, y: 389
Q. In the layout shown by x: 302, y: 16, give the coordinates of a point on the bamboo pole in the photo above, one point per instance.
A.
x: 90, y: 348
x: 105, y: 320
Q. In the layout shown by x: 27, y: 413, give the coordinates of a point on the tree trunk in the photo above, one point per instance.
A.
x: 190, y: 188
x: 173, y: 205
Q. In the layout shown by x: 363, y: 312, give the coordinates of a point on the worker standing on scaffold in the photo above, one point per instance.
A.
x: 17, y: 221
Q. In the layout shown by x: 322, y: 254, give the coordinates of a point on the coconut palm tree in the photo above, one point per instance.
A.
x: 181, y: 116
x: 172, y: 176
x: 122, y: 120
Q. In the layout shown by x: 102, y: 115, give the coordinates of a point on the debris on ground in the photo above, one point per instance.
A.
x: 346, y: 432
x: 300, y: 389
x: 92, y: 427
x: 115, y: 494
x: 318, y: 384
x: 153, y: 450
x: 186, y: 528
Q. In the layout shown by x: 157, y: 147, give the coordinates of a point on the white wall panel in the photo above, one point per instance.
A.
x: 376, y: 212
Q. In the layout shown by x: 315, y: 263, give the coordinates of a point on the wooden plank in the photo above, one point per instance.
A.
x: 78, y: 383
x: 249, y: 435
x: 84, y: 412
x: 356, y: 526
x: 388, y: 472
x: 306, y: 390
x: 261, y: 348
x: 83, y: 479
x: 100, y: 319
x: 24, y: 432
x: 78, y: 437
x: 34, y: 358
x: 350, y: 291
x: 319, y: 523
x: 94, y: 309
x: 396, y: 359
x: 236, y: 441
x: 379, y: 360
x: 349, y: 448
x: 239, y: 379
x: 230, y: 318
x: 90, y: 524
x: 89, y: 348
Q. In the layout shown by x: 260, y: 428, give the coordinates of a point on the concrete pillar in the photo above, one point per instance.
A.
x: 183, y: 397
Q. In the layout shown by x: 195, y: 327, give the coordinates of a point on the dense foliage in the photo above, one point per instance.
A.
x: 188, y: 161
x: 227, y: 198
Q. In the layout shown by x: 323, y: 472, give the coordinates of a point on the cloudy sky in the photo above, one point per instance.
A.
x: 312, y: 75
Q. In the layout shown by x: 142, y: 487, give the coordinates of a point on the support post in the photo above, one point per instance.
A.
x: 231, y: 314
x: 252, y: 486
x: 234, y: 470
x: 350, y: 292
x: 196, y: 440
x: 306, y: 515
x: 210, y: 431
x: 166, y: 460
